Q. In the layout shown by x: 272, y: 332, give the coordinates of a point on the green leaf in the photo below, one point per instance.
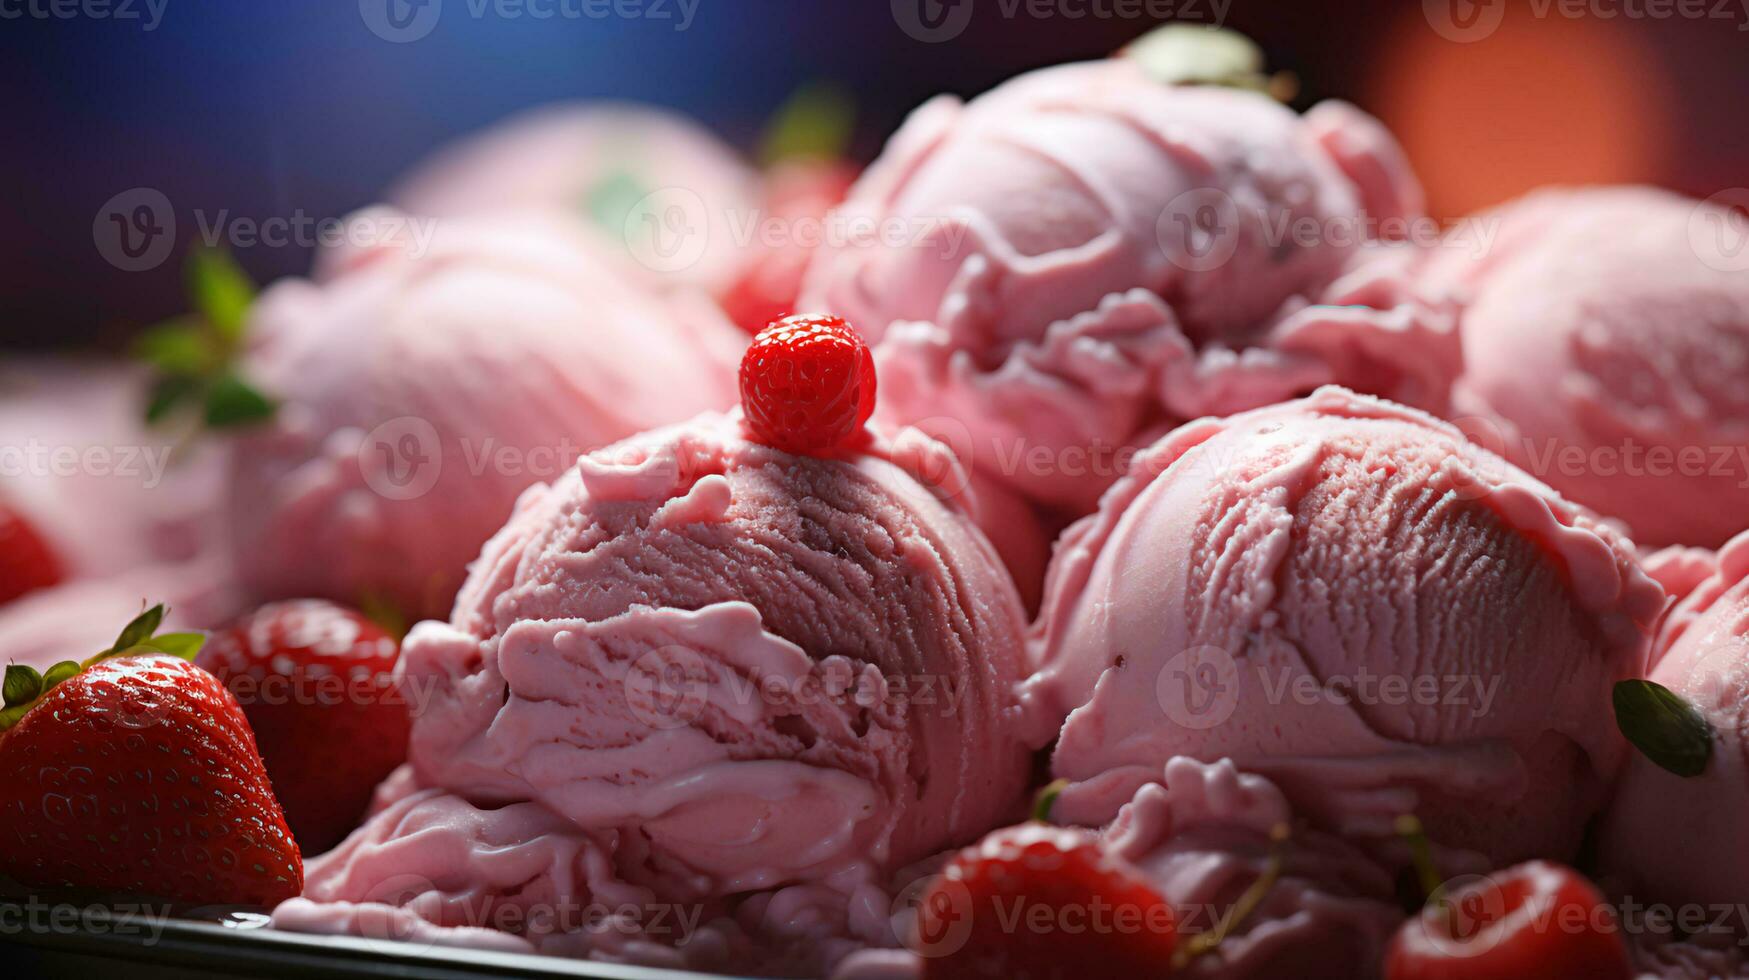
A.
x: 232, y: 402
x: 612, y: 199
x: 141, y: 628
x: 167, y: 393
x: 222, y: 292
x: 22, y: 685
x: 184, y: 645
x: 58, y: 673
x: 180, y: 346
x: 814, y: 123
x: 11, y: 716
x: 1191, y: 54
x: 1663, y: 726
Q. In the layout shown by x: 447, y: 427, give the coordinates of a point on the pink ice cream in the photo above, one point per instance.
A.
x: 1083, y: 255
x: 698, y: 667
x: 1201, y: 836
x: 77, y: 619
x: 620, y: 168
x: 107, y: 493
x: 1343, y: 595
x: 1702, y: 655
x: 425, y: 386
x: 1605, y: 341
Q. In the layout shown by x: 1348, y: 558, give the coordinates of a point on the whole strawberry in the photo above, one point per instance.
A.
x: 311, y: 670
x: 1037, y: 902
x: 807, y: 384
x: 1535, y: 919
x: 26, y: 561
x: 137, y: 773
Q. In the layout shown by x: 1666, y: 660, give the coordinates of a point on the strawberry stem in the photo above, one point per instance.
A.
x: 1242, y: 909
x: 1426, y: 872
x: 1046, y: 799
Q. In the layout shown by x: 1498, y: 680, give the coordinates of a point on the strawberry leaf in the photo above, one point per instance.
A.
x: 167, y: 393
x: 58, y: 673
x: 140, y: 629
x: 11, y: 716
x: 232, y: 402
x: 22, y: 685
x: 183, y: 645
x: 813, y: 124
x: 1664, y: 726
x: 222, y: 291
x: 177, y: 347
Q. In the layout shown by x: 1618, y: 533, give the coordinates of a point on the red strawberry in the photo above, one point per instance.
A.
x: 26, y: 561
x: 308, y: 670
x: 807, y: 384
x: 1037, y: 902
x: 137, y: 773
x: 1537, y: 919
x: 799, y: 198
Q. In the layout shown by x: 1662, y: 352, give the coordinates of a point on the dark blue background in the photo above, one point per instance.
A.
x: 268, y: 107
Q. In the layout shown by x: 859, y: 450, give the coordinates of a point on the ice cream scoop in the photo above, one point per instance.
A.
x: 77, y: 619
x: 723, y: 668
x: 652, y: 184
x: 107, y: 492
x: 425, y: 385
x: 1605, y: 336
x: 1202, y: 836
x: 1085, y: 253
x: 1703, y: 656
x: 1347, y: 597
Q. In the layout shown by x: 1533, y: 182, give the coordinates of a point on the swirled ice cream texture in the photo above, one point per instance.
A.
x: 731, y: 669
x: 1233, y: 594
x: 1083, y: 253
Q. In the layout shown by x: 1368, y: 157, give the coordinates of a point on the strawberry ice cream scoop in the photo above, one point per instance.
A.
x: 1345, y: 596
x: 1085, y: 251
x: 1201, y: 836
x: 1604, y: 338
x: 1703, y: 656
x: 424, y: 385
x: 730, y: 668
x: 649, y: 183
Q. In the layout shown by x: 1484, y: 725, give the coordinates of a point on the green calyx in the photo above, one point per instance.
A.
x: 25, y: 688
x: 1189, y: 54
x: 195, y: 356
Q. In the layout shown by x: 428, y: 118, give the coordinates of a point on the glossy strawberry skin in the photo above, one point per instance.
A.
x: 140, y: 776
x: 311, y: 674
x: 807, y: 384
x: 27, y: 563
x: 1058, y: 868
x: 1536, y: 919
